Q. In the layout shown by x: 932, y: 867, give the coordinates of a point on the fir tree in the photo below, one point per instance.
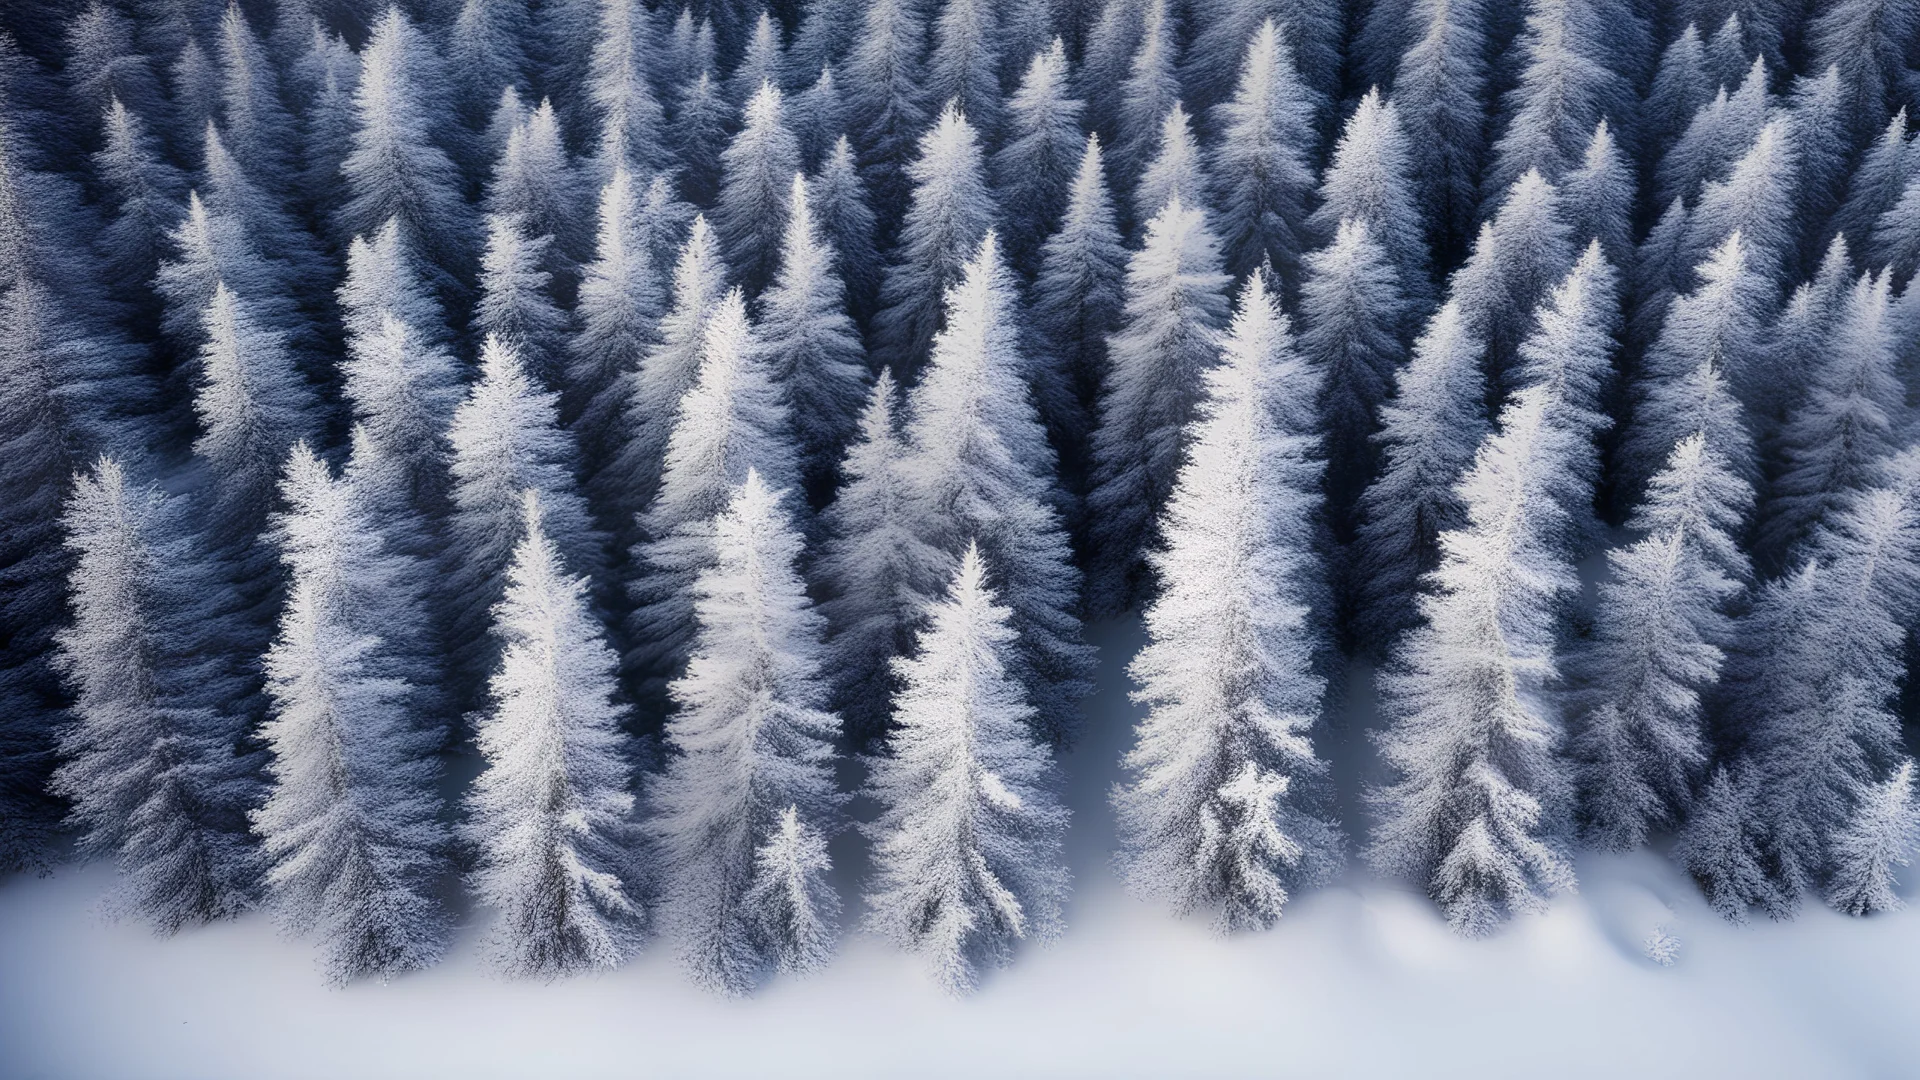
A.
x: 262, y: 130
x: 1176, y: 170
x: 1714, y: 139
x: 103, y: 65
x: 1077, y: 298
x: 1148, y: 92
x: 1639, y: 742
x: 1870, y: 42
x: 506, y: 439
x: 847, y: 223
x: 1756, y: 200
x: 1720, y: 847
x: 1261, y: 166
x: 1882, y: 835
x: 964, y: 65
x: 1854, y: 408
x: 516, y: 305
x: 1438, y: 88
x: 486, y: 52
x: 1523, y: 252
x: 403, y: 390
x: 1175, y: 306
x: 818, y: 116
x: 827, y: 33
x: 699, y: 134
x: 884, y: 83
x: 759, y: 65
x: 1352, y: 307
x: 968, y: 844
x: 619, y: 322
x: 1681, y: 85
x: 396, y: 170
x: 1428, y: 433
x: 752, y: 744
x: 1474, y: 811
x: 1033, y: 172
x: 148, y: 197
x: 383, y: 278
x: 552, y: 813
x: 1599, y: 194
x: 950, y: 211
x: 982, y: 473
x: 875, y: 569
x: 1564, y: 90
x: 1370, y: 179
x: 756, y: 173
x: 535, y: 180
x: 732, y: 420
x: 631, y: 124
x: 1878, y: 181
x: 813, y: 348
x: 151, y: 764
x: 351, y: 826
x: 653, y: 392
x: 1822, y: 149
x: 1221, y: 809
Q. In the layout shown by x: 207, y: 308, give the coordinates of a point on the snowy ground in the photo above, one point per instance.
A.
x: 1361, y: 979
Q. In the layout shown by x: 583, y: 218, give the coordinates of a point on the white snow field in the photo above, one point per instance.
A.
x: 1361, y: 978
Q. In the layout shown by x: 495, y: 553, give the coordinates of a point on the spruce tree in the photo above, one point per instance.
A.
x: 818, y: 116
x: 1077, y: 297
x: 516, y: 303
x: 951, y: 209
x: 1476, y: 807
x: 151, y: 764
x: 1033, y: 172
x: 813, y: 348
x: 1639, y: 740
x: 968, y: 844
x: 352, y: 824
x: 983, y: 473
x: 148, y: 198
x: 1681, y: 85
x: 1370, y: 179
x: 1428, y: 434
x: 847, y: 222
x: 1175, y: 307
x: 1599, y: 196
x: 1149, y: 91
x: 631, y: 124
x: 1878, y: 180
x: 1438, y: 89
x: 885, y: 83
x: 963, y: 67
x: 1870, y: 43
x: 734, y: 418
x: 1261, y: 165
x: 1222, y: 808
x: 750, y: 784
x: 619, y: 323
x: 1351, y: 308
x: 535, y: 179
x: 876, y: 571
x: 756, y: 174
x: 1565, y: 88
x: 552, y: 813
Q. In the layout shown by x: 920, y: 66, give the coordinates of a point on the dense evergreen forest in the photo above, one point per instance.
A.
x: 664, y: 408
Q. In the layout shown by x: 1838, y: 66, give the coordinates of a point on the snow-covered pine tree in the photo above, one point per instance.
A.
x: 653, y: 392
x: 813, y: 348
x: 1570, y: 352
x: 1352, y: 305
x: 1314, y: 29
x: 486, y: 51
x: 874, y: 568
x: 1077, y: 297
x: 1757, y: 200
x: 263, y: 134
x: 396, y: 170
x: 506, y: 439
x: 325, y: 79
x: 516, y: 303
x: 1222, y: 809
x: 1639, y: 742
x: 1799, y: 339
x: 535, y: 180
x: 1896, y: 234
x: 1709, y: 344
x: 885, y: 82
x: 1175, y: 307
x: 1523, y: 252
x: 1261, y: 165
x: 1815, y: 684
x: 1598, y: 195
x: 1176, y: 170
x: 1823, y: 149
x: 963, y: 66
x: 147, y: 196
x: 967, y: 849
x: 845, y: 220
x: 1428, y: 434
x: 1720, y: 846
x: 759, y: 63
x: 983, y: 473
x: 1105, y: 51
x: 1437, y: 88
x: 733, y: 419
x: 1878, y: 180
x: 631, y: 124
x: 826, y: 34
x: 1149, y: 91
x: 1564, y: 88
x: 1476, y: 808
x: 1854, y: 409
x: 1033, y: 173
x: 751, y: 741
x: 1870, y: 43
x: 1370, y: 179
x: 1681, y: 85
x: 352, y: 824
x: 951, y: 209
x: 104, y: 65
x: 1882, y: 835
x: 619, y: 323
x: 403, y: 390
x: 151, y: 763
x: 699, y: 136
x: 757, y: 170
x: 1657, y: 273
x: 552, y: 813
x: 382, y: 279
x: 818, y: 116
x: 1719, y: 132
